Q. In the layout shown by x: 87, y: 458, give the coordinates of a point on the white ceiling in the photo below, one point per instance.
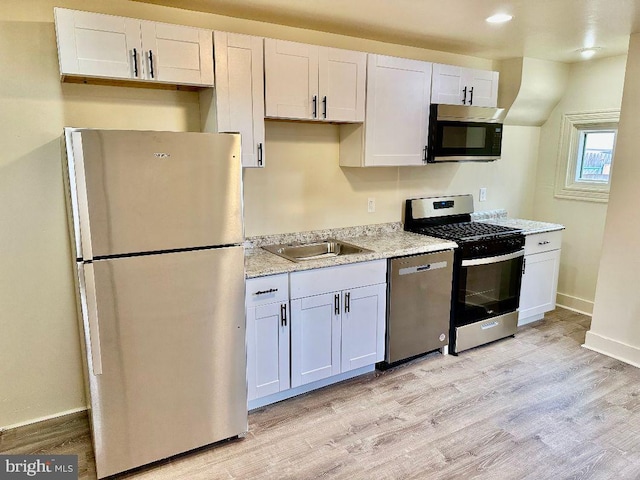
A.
x: 545, y: 29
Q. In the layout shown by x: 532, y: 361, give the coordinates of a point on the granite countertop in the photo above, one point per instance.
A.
x: 385, y: 241
x: 528, y: 227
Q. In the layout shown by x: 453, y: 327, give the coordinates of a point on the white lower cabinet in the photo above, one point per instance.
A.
x: 363, y: 326
x: 337, y: 321
x: 267, y: 304
x: 540, y: 276
x: 335, y: 329
x: 315, y: 338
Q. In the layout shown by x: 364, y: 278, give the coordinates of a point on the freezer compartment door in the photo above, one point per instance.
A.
x: 141, y: 191
x: 172, y: 355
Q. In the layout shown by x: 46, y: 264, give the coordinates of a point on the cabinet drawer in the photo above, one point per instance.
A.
x: 342, y: 277
x: 270, y: 289
x: 543, y: 242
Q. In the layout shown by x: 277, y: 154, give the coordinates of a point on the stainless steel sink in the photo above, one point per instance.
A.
x: 316, y: 250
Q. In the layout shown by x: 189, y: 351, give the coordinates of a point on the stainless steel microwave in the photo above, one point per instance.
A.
x: 459, y: 133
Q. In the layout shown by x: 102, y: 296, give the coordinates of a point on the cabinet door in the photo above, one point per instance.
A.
x: 482, y: 88
x: 177, y: 54
x: 397, y: 113
x: 98, y: 45
x: 240, y: 92
x: 291, y: 76
x: 315, y: 338
x: 539, y: 283
x: 342, y: 75
x: 448, y: 84
x: 363, y: 326
x: 267, y: 349
x: 464, y: 86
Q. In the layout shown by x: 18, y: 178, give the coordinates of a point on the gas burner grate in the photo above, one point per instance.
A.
x: 467, y: 231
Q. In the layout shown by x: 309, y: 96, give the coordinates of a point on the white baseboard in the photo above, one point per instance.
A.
x: 42, y: 419
x: 613, y: 348
x: 574, y: 304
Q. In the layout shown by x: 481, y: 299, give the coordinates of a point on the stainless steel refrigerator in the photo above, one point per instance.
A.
x: 157, y: 227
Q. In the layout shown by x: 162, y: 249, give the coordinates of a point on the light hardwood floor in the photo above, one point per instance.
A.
x: 537, y: 406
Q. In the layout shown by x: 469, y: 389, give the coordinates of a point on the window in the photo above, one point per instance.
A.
x: 587, y: 145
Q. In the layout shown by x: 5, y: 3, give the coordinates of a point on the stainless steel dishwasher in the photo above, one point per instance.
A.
x: 419, y: 305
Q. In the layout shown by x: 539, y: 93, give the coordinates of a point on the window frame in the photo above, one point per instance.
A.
x: 571, y: 133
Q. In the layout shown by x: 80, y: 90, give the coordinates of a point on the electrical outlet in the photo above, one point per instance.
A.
x: 371, y: 205
x: 483, y: 195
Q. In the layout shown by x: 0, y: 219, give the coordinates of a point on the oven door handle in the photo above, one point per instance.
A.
x: 499, y: 258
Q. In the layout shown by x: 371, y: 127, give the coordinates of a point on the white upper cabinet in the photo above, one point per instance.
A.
x: 464, y: 86
x: 177, y: 54
x: 291, y: 76
x: 106, y: 46
x: 309, y: 82
x: 240, y: 92
x: 342, y: 77
x: 397, y: 115
x: 98, y: 45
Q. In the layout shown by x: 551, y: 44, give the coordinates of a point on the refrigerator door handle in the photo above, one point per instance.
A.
x: 92, y: 318
x: 81, y: 189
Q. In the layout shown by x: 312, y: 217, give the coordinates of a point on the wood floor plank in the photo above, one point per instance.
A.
x: 533, y: 407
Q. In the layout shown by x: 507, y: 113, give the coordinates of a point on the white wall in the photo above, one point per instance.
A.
x: 615, y: 328
x: 593, y: 85
x: 302, y: 187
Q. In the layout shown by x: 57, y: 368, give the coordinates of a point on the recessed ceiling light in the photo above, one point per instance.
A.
x: 587, y: 53
x: 499, y: 18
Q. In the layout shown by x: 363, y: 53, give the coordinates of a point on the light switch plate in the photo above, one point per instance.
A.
x: 483, y: 195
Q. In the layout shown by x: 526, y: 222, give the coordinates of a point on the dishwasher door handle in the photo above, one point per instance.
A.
x: 422, y: 268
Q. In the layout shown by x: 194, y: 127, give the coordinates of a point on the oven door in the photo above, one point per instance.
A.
x: 488, y: 287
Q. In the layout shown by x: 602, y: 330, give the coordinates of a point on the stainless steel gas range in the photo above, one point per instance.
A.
x: 487, y: 269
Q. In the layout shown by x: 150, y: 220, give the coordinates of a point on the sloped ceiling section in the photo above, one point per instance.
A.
x: 530, y: 89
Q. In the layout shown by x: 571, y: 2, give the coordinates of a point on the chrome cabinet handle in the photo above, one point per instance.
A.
x: 283, y: 314
x: 135, y: 62
x: 464, y: 96
x: 524, y: 265
x: 315, y: 106
x: 151, y: 63
x: 336, y: 304
x: 347, y: 302
x: 263, y: 292
x: 544, y: 242
x: 260, y: 154
x: 324, y: 107
x: 471, y: 96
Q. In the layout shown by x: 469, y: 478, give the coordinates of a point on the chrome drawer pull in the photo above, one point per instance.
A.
x: 545, y: 242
